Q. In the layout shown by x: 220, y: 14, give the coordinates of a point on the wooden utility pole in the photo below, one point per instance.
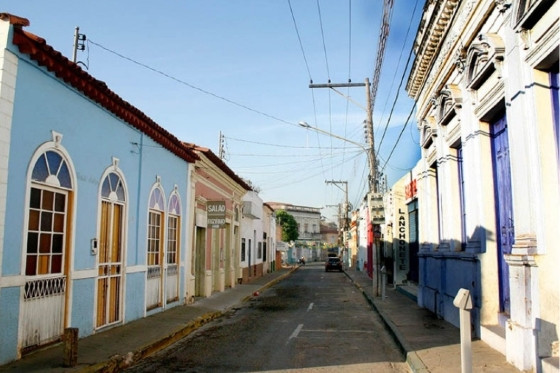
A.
x: 372, y: 179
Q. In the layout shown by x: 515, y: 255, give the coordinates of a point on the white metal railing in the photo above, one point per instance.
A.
x: 43, y: 311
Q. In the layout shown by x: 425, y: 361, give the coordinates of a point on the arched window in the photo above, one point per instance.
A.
x: 173, y: 228
x: 173, y: 247
x: 48, y: 203
x: 111, y: 248
x: 155, y: 249
x: 155, y: 227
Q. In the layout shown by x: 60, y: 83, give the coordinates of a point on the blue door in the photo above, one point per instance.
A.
x: 504, y: 211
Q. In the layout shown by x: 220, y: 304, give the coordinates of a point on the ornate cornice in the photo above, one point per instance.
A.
x: 432, y: 36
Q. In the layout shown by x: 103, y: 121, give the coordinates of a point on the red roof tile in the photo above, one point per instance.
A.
x: 220, y: 163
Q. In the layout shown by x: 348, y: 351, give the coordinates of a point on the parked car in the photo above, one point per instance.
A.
x: 333, y: 263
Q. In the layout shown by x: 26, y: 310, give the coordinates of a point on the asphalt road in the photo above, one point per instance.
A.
x: 313, y: 321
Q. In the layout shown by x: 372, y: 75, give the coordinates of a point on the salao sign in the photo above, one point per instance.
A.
x: 216, y: 214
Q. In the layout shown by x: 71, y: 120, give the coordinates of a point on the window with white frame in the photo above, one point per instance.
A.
x: 155, y: 228
x: 48, y: 204
x: 173, y: 229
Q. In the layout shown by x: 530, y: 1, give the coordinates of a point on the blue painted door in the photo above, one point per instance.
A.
x: 504, y: 211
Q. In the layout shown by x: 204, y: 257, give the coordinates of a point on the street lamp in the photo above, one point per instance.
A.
x: 369, y: 151
x: 372, y: 177
x: 306, y: 125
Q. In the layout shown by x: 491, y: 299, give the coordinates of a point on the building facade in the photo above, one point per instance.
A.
x: 252, y: 228
x: 308, y: 219
x: 269, y: 238
x: 92, y: 228
x: 485, y: 81
x: 217, y: 200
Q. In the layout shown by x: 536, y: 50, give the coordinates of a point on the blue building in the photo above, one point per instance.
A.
x: 93, y: 201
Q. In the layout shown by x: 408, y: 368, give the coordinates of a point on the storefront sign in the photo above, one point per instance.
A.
x: 402, y: 244
x: 410, y: 190
x: 377, y: 209
x: 216, y: 214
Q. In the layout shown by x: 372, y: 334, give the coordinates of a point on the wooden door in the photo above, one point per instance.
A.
x: 109, y: 276
x: 503, y: 205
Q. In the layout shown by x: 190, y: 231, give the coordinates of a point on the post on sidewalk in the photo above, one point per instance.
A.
x: 70, y: 347
x: 383, y: 282
x: 464, y: 303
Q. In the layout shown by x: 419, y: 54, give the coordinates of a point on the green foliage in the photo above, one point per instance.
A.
x: 288, y: 224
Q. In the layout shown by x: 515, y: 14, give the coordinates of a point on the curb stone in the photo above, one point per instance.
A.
x: 412, y: 359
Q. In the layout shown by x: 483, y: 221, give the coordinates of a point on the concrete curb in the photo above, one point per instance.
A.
x: 117, y: 363
x: 412, y: 359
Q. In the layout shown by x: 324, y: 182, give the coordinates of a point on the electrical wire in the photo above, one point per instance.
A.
x: 323, y: 38
x: 398, y: 139
x: 192, y: 86
x: 402, y: 78
x: 278, y: 145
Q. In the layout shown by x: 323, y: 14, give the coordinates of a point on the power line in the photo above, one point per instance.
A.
x: 278, y: 145
x: 384, y: 33
x: 192, y: 86
x: 323, y: 38
x: 400, y: 134
x: 299, y: 39
x: 395, y: 101
x: 401, y: 81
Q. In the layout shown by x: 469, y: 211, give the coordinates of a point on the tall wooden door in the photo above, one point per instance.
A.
x: 155, y: 259
x: 504, y: 210
x: 200, y: 260
x: 110, y: 255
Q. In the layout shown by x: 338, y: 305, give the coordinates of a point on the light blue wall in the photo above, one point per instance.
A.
x: 82, y: 305
x: 135, y: 303
x: 9, y: 310
x: 91, y: 138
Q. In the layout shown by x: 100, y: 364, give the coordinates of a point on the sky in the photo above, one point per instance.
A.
x: 240, y: 70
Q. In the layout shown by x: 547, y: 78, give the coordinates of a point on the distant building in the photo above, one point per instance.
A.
x: 308, y: 220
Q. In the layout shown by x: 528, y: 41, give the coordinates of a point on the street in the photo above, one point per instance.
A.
x: 311, y: 321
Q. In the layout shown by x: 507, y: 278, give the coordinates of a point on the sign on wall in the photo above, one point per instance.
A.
x: 216, y: 214
x: 377, y: 209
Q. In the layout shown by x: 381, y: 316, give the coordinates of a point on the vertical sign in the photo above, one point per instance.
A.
x: 216, y: 214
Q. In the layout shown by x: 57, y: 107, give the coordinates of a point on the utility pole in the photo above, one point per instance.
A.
x: 79, y: 43
x: 221, y: 151
x: 372, y: 179
x: 345, y: 190
x: 345, y: 214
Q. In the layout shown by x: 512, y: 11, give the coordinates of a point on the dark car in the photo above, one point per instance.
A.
x: 334, y: 264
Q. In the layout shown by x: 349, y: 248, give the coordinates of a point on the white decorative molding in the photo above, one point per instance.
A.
x: 56, y: 138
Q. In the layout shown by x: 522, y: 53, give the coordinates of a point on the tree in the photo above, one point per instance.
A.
x: 288, y: 224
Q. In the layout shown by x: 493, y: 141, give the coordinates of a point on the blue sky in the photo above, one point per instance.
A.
x: 201, y: 67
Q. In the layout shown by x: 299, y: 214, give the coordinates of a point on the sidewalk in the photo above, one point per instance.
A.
x: 106, y: 351
x: 430, y: 344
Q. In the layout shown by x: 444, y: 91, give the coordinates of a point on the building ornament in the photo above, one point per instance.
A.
x: 483, y: 58
x: 460, y: 59
x: 428, y: 132
x: 449, y: 102
x: 502, y: 5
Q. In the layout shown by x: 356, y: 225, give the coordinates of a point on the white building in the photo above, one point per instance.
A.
x: 251, y: 237
x: 485, y: 80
